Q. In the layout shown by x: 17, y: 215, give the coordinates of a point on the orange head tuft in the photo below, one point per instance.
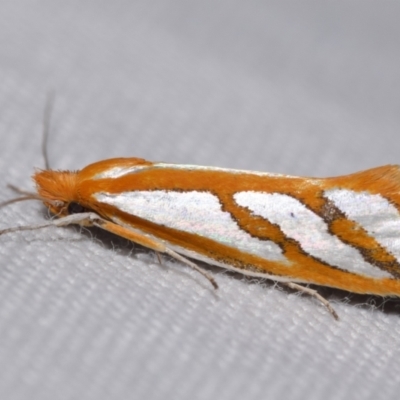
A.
x: 57, y: 189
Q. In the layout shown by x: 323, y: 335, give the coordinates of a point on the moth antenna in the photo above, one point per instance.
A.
x: 25, y: 196
x: 46, y: 126
x: 20, y: 191
x: 22, y: 198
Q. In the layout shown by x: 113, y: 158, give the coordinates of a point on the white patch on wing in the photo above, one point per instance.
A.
x: 308, y: 229
x: 189, y: 167
x: 373, y: 212
x: 117, y: 172
x: 194, y: 212
x: 200, y: 257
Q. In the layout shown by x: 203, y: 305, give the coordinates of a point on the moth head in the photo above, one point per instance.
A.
x: 57, y: 190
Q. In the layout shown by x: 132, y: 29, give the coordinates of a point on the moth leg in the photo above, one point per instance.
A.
x: 313, y: 293
x: 92, y: 219
x: 150, y: 243
x: 83, y: 219
x: 158, y: 257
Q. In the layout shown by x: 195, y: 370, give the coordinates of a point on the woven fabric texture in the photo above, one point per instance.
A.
x: 304, y: 88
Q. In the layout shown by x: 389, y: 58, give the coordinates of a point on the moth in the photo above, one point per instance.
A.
x: 340, y: 232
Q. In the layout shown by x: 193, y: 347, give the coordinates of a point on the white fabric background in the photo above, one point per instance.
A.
x: 305, y: 88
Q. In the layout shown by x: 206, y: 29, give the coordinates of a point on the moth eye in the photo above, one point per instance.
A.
x: 75, y: 208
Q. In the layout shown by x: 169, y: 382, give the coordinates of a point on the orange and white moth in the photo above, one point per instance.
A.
x: 341, y: 232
